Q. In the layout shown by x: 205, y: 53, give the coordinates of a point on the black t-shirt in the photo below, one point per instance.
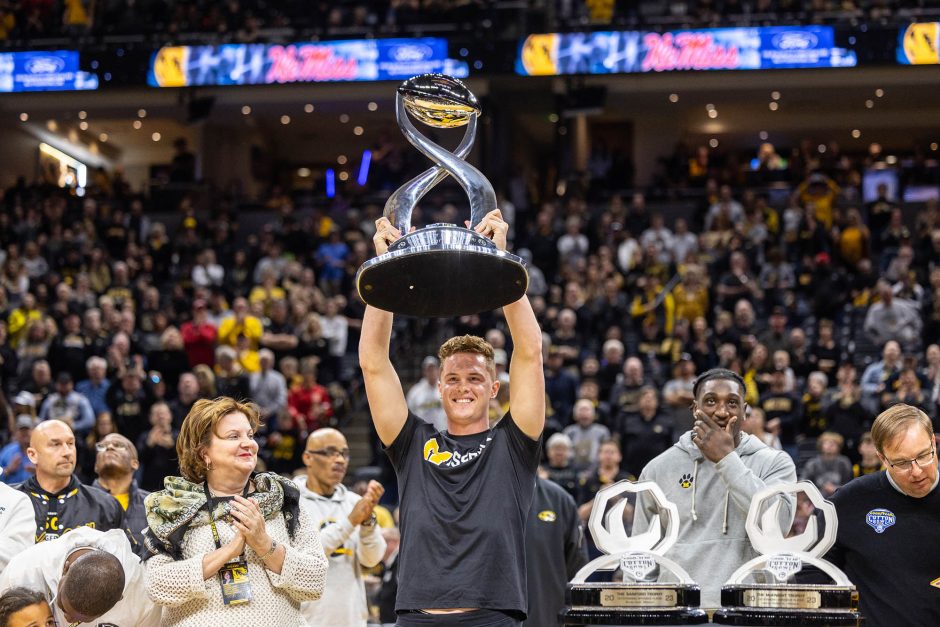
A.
x: 464, y: 504
x: 889, y: 546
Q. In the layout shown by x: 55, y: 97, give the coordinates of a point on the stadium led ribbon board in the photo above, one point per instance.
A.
x: 304, y: 62
x: 917, y: 44
x: 44, y: 70
x: 627, y: 52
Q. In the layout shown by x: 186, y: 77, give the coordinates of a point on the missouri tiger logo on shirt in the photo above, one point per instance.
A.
x: 434, y: 454
x: 548, y: 515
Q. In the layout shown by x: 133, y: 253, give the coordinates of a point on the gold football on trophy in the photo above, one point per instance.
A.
x: 438, y: 100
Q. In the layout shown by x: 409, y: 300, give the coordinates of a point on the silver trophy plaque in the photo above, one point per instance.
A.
x: 653, y: 589
x: 442, y: 270
x: 764, y: 591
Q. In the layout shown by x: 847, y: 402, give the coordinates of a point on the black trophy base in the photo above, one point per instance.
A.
x: 442, y: 271
x: 791, y: 604
x: 750, y: 617
x: 580, y: 616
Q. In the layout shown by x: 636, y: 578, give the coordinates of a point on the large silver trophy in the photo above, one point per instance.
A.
x: 653, y: 590
x: 443, y: 270
x: 763, y: 591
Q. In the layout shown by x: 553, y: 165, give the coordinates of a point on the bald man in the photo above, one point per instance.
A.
x: 115, y: 464
x: 348, y: 530
x: 60, y: 501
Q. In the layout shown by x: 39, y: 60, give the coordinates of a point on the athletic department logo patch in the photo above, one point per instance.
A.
x: 685, y: 481
x: 880, y: 519
x: 547, y: 515
x: 433, y: 454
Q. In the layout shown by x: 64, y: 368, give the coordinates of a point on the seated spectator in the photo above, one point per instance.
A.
x: 869, y: 463
x: 240, y: 323
x: 199, y: 336
x: 424, y: 399
x: 829, y: 470
x: 130, y: 403
x: 280, y: 335
x: 893, y: 318
x: 646, y: 433
x: 608, y: 472
x: 14, y: 460
x: 756, y: 425
x: 68, y: 351
x: 95, y: 387
x: 877, y: 373
x: 187, y: 391
x: 310, y: 403
x: 585, y: 434
x: 230, y: 377
x: 783, y: 412
x: 69, y: 406
x: 335, y: 329
x: 155, y: 448
x: 906, y: 389
x: 170, y: 359
x: 560, y: 469
x: 268, y: 388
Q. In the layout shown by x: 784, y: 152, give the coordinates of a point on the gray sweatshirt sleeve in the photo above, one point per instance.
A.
x: 743, y: 483
x: 371, y: 547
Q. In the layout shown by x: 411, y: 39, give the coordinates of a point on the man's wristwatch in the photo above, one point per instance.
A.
x: 369, y: 522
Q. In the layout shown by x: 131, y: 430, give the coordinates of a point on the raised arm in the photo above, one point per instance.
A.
x: 526, y: 378
x: 383, y: 388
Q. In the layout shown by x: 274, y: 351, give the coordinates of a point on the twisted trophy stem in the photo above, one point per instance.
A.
x: 478, y: 188
x: 403, y: 200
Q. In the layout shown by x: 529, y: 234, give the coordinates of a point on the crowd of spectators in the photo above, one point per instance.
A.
x: 251, y: 20
x: 116, y: 321
x: 239, y: 20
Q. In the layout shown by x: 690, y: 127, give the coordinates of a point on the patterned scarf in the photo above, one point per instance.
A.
x: 182, y: 504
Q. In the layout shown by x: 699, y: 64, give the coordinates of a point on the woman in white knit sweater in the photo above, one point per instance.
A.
x: 217, y: 522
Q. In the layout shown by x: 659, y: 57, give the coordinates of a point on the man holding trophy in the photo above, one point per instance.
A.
x: 465, y: 491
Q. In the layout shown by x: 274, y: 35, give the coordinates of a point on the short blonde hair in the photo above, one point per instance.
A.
x: 198, y: 427
x: 893, y: 421
x: 469, y: 344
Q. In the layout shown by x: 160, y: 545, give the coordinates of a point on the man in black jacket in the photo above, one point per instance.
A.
x: 60, y: 501
x: 554, y: 551
x: 115, y: 464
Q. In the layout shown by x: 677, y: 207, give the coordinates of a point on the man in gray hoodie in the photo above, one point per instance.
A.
x: 711, y: 474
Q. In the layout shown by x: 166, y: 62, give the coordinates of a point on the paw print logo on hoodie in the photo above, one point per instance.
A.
x: 685, y: 481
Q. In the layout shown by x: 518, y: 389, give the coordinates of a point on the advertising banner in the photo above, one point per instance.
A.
x: 917, y: 44
x: 329, y: 61
x: 51, y: 70
x: 624, y: 52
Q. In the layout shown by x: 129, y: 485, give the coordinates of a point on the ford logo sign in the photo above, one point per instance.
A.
x: 45, y: 65
x: 795, y: 40
x: 411, y: 52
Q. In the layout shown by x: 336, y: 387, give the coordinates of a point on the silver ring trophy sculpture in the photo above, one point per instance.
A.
x: 442, y: 270
x: 644, y: 596
x: 760, y: 592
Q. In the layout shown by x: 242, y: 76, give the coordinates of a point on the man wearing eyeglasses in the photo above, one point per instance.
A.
x: 889, y: 524
x: 115, y: 464
x: 348, y: 530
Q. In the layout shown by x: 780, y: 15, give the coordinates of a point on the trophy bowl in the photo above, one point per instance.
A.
x: 442, y: 270
x: 439, y: 101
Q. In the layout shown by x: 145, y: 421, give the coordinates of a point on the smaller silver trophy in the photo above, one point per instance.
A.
x: 442, y: 270
x: 654, y: 590
x: 763, y: 592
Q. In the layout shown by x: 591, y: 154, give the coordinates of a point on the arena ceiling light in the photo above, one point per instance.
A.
x: 246, y: 110
x: 309, y: 108
x: 673, y: 98
x: 24, y: 117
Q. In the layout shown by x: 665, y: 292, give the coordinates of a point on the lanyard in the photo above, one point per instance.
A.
x: 209, y: 508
